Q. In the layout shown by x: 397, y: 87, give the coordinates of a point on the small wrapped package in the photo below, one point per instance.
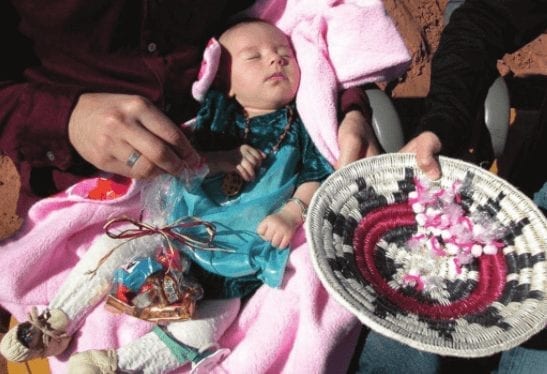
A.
x: 155, y: 288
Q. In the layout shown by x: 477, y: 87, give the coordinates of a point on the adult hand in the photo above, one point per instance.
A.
x: 106, y: 129
x: 426, y: 146
x: 356, y: 139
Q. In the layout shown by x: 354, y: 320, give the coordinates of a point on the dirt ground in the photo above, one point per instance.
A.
x: 421, y: 22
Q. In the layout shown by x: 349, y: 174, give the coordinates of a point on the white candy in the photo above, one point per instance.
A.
x: 432, y: 212
x: 446, y: 234
x: 476, y: 250
x: 418, y: 207
x: 490, y: 249
x: 452, y: 248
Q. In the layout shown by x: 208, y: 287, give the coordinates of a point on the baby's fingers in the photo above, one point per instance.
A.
x: 252, y: 155
x: 262, y: 229
x: 284, y: 241
x: 246, y: 170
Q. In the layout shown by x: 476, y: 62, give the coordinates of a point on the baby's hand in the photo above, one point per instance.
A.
x: 243, y: 160
x: 249, y: 160
x: 278, y: 228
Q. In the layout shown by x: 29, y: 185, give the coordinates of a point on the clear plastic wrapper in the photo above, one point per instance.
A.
x: 155, y: 288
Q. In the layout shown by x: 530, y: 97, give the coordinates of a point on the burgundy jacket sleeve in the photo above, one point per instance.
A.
x: 355, y: 98
x: 34, y: 123
x: 34, y: 117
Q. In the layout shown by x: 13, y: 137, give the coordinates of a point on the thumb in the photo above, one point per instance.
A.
x: 429, y: 164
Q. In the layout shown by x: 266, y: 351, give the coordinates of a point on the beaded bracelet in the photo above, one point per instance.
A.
x: 302, y: 205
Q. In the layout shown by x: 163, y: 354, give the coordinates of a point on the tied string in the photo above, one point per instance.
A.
x: 40, y: 322
x: 169, y: 233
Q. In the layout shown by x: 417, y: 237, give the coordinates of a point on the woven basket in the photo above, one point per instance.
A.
x: 496, y: 303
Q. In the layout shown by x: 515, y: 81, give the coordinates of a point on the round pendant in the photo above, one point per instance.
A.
x: 232, y: 184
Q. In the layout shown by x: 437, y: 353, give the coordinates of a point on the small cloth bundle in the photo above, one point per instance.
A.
x: 454, y: 268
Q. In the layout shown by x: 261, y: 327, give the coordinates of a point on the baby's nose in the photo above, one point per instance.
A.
x: 276, y: 59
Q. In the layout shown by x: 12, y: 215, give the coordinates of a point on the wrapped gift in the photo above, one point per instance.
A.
x: 156, y: 288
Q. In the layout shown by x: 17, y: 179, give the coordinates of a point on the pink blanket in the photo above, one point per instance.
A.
x: 276, y: 331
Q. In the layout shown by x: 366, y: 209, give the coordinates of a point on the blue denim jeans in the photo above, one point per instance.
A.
x: 382, y: 355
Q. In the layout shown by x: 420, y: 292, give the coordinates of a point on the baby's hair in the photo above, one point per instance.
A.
x: 232, y: 24
x: 222, y: 79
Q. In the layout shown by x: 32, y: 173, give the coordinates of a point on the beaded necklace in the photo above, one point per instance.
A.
x: 233, y: 183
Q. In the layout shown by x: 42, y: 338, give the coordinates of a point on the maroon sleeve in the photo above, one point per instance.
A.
x: 34, y: 121
x: 33, y: 116
x: 355, y: 98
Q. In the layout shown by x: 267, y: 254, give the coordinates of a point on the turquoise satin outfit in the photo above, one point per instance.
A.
x: 236, y: 218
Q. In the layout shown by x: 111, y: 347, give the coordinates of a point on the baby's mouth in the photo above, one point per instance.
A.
x: 277, y: 76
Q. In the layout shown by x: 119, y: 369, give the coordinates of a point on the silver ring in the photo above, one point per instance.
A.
x: 133, y: 158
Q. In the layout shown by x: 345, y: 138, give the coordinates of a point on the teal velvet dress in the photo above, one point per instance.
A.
x: 250, y: 261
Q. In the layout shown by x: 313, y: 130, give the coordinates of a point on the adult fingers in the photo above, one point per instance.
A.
x: 129, y: 161
x: 106, y: 128
x: 153, y: 149
x: 428, y: 163
x: 163, y: 128
x: 372, y: 149
x: 426, y: 146
x: 348, y: 154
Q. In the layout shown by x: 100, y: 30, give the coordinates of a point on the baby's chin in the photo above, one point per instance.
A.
x: 278, y: 105
x: 266, y: 106
x: 282, y: 101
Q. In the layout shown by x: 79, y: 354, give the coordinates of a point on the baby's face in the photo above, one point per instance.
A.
x: 264, y: 74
